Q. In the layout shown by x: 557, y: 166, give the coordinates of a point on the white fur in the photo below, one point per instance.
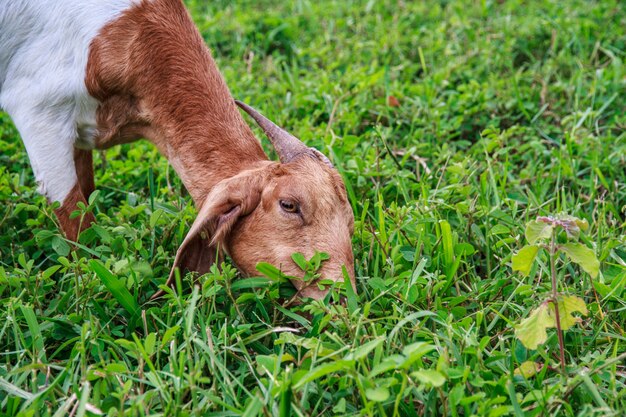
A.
x: 44, y: 46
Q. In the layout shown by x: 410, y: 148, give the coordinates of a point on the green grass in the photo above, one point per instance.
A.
x: 507, y: 111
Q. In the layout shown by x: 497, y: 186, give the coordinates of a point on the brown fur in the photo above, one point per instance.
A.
x: 155, y: 78
x: 83, y: 161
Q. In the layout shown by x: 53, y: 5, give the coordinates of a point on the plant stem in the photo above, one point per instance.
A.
x: 555, y: 301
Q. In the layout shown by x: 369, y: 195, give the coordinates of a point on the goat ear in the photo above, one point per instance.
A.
x: 224, y: 205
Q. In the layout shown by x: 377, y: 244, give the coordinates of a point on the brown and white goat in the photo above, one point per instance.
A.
x: 90, y: 74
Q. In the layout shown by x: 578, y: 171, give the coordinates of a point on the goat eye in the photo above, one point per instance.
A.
x: 289, y: 206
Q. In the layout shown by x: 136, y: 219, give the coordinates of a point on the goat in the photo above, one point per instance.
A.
x: 82, y: 75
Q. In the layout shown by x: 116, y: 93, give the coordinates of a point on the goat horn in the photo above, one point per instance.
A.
x: 288, y: 147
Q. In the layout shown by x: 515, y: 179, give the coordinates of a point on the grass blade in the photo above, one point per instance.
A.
x: 13, y: 390
x: 117, y: 289
x: 35, y: 331
x: 353, y: 303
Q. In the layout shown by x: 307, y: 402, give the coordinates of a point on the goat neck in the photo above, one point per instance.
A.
x: 160, y: 82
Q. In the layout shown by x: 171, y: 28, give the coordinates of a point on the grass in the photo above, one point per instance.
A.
x: 454, y: 124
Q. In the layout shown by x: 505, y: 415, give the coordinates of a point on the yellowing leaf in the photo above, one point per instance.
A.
x: 527, y: 369
x: 537, y: 230
x: 523, y: 260
x: 532, y: 330
x: 582, y: 224
x: 583, y: 256
x: 569, y: 304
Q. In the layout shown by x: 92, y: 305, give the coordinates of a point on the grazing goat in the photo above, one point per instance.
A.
x: 77, y: 75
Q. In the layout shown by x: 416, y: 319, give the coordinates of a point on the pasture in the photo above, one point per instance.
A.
x: 455, y: 125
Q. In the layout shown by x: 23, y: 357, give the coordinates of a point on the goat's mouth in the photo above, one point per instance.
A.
x: 327, y: 279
